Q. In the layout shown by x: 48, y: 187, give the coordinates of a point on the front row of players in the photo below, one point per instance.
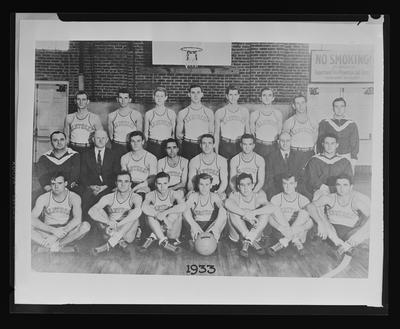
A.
x: 249, y: 219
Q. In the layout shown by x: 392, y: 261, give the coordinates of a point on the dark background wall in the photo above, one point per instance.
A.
x: 109, y: 65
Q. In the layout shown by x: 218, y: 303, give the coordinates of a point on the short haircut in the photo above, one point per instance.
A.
x: 57, y: 132
x: 123, y: 173
x: 266, y: 88
x: 287, y: 175
x: 124, y: 91
x: 170, y: 140
x: 231, y: 87
x: 248, y: 136
x: 331, y: 135
x: 162, y: 89
x: 299, y: 96
x: 204, y: 176
x: 345, y: 176
x: 195, y: 85
x: 162, y: 174
x: 133, y: 134
x: 339, y: 99
x: 57, y: 174
x: 207, y: 136
x: 81, y: 92
x: 242, y: 176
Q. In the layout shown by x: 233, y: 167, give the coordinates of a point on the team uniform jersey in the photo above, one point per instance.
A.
x: 57, y: 213
x: 343, y: 214
x: 302, y: 132
x: 290, y: 209
x: 202, y: 212
x: 161, y: 126
x: 159, y: 203
x: 139, y: 169
x: 175, y: 173
x: 118, y: 210
x: 233, y: 124
x: 248, y: 166
x: 81, y: 129
x: 267, y: 126
x: 242, y: 203
x: 196, y: 122
x: 124, y: 124
x: 213, y: 168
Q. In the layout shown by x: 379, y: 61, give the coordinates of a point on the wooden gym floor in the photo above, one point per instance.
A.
x: 319, y: 259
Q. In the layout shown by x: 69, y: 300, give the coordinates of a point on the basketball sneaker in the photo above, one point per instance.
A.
x: 146, y: 245
x: 299, y: 247
x: 170, y: 247
x: 244, y: 252
x: 258, y: 249
x: 274, y: 249
x: 176, y: 242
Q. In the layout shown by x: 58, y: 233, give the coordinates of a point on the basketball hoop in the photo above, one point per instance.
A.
x: 190, y: 56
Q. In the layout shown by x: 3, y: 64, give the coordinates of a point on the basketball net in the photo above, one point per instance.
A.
x: 190, y: 56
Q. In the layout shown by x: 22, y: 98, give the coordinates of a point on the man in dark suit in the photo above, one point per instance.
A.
x: 282, y: 161
x: 98, y: 168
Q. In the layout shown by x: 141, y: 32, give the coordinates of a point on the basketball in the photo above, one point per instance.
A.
x: 205, y: 244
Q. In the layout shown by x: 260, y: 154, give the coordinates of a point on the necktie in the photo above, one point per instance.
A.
x: 99, y: 162
x: 286, y: 157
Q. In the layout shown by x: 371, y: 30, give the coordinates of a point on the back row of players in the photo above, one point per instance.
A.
x: 247, y: 204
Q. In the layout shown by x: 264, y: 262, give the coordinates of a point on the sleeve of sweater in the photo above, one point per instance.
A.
x: 321, y: 132
x: 314, y: 174
x: 42, y: 171
x: 83, y: 174
x: 75, y: 168
x: 354, y: 142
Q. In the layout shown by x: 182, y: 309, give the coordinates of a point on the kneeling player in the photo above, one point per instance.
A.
x: 293, y: 206
x: 342, y: 216
x: 163, y: 208
x: 120, y: 222
x: 204, y: 210
x: 58, y: 229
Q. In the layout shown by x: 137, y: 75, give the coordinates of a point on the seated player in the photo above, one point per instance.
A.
x: 293, y: 206
x: 121, y: 217
x: 248, y: 162
x: 174, y: 165
x: 248, y: 213
x: 343, y: 216
x: 204, y: 210
x: 211, y: 163
x: 163, y: 208
x: 57, y: 217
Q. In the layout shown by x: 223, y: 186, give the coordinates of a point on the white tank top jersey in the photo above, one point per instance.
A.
x: 196, y: 123
x: 343, y: 214
x: 289, y: 208
x: 117, y: 209
x: 248, y: 167
x: 210, y: 168
x: 81, y: 129
x: 57, y: 213
x: 162, y: 204
x: 302, y: 133
x: 246, y: 205
x: 138, y: 169
x: 267, y: 126
x: 233, y: 124
x: 202, y: 212
x: 161, y: 126
x: 175, y: 173
x: 123, y: 125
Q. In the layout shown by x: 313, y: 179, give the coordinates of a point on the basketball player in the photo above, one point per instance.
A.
x: 248, y: 162
x: 210, y: 163
x: 343, y: 216
x: 121, y: 219
x: 345, y: 129
x: 266, y: 123
x: 231, y: 122
x: 303, y: 129
x: 293, y: 206
x: 159, y: 123
x: 141, y: 164
x: 163, y: 208
x: 174, y: 165
x: 204, y: 211
x: 79, y: 126
x: 123, y: 121
x: 57, y: 217
x: 192, y: 122
x: 323, y: 168
x: 248, y: 213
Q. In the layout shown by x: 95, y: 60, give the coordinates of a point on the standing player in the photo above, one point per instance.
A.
x: 231, y: 122
x: 266, y: 123
x: 303, y: 129
x: 343, y: 216
x: 210, y: 163
x: 163, y: 208
x: 248, y: 162
x: 174, y: 165
x: 79, y: 126
x: 192, y: 122
x: 159, y: 123
x: 57, y: 217
x: 123, y: 121
x: 345, y: 129
x: 293, y: 206
x: 120, y: 221
x: 204, y: 211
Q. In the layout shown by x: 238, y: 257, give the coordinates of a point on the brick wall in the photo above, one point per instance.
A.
x: 109, y: 65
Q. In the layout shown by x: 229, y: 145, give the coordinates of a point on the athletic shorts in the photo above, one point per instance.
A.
x: 228, y: 150
x: 190, y: 150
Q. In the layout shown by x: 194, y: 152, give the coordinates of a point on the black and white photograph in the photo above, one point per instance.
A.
x: 198, y: 159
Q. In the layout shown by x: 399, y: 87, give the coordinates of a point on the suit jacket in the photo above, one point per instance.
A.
x: 110, y: 167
